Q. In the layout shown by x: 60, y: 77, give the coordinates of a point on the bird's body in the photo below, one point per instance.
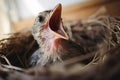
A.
x: 48, y: 54
x: 53, y: 41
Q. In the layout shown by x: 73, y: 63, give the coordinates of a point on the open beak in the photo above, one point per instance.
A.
x: 55, y: 22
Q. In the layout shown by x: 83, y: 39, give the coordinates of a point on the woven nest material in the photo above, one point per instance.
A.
x: 100, y: 37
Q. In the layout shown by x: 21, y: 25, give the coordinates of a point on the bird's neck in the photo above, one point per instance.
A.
x: 50, y: 46
x: 50, y: 42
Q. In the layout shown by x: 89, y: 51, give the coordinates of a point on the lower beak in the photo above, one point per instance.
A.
x: 55, y: 22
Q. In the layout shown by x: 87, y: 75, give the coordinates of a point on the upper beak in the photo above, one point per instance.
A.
x: 55, y: 22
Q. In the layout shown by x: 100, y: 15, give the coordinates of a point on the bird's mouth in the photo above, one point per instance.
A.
x: 55, y: 22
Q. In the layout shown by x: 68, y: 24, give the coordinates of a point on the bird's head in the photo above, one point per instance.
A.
x: 48, y: 25
x: 48, y: 31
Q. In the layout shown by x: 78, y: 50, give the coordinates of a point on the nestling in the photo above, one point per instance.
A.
x: 54, y: 43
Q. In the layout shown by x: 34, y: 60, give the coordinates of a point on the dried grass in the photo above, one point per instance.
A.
x: 100, y: 37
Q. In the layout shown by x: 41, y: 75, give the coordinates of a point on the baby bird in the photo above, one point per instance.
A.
x: 54, y: 43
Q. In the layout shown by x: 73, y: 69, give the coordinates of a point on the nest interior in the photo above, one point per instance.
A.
x: 100, y: 37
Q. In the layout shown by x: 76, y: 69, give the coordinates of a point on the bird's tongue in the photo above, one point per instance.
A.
x: 55, y: 23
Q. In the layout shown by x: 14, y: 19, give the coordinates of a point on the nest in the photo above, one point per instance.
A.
x: 100, y: 37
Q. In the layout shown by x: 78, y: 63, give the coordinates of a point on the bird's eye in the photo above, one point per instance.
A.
x: 41, y: 18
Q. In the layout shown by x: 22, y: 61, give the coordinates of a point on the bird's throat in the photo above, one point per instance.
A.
x: 49, y: 42
x: 57, y: 43
x: 51, y: 49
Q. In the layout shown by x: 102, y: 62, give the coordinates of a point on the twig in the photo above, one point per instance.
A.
x: 4, y: 57
x: 12, y: 67
x: 9, y: 39
x: 76, y: 59
x: 9, y: 64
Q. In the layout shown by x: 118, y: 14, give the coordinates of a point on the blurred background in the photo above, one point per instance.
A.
x: 16, y: 15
